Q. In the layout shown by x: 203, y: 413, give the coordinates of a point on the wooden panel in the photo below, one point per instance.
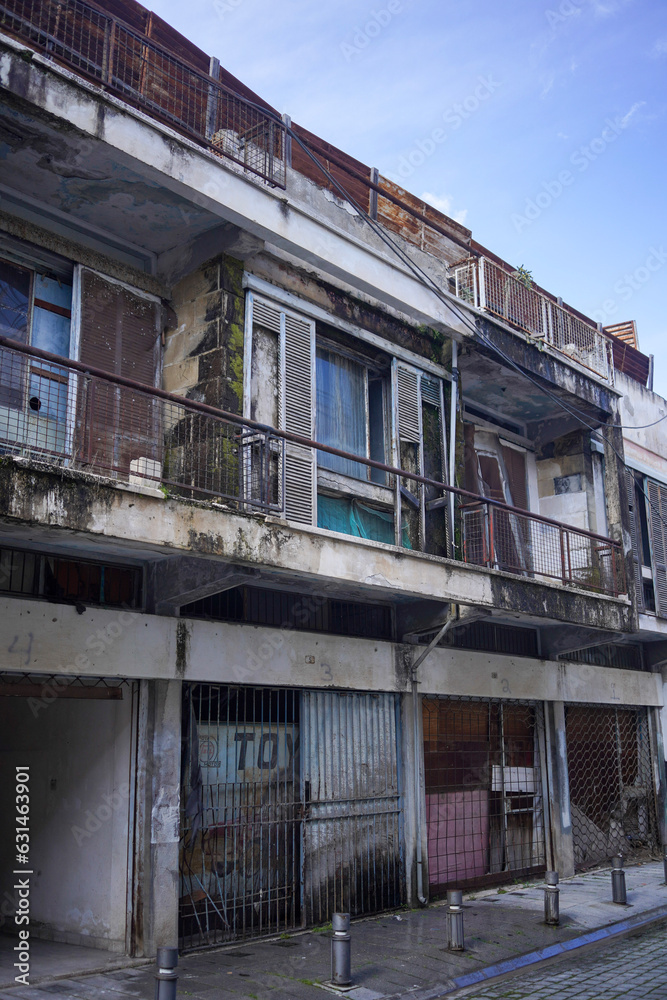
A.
x: 324, y: 152
x: 180, y: 46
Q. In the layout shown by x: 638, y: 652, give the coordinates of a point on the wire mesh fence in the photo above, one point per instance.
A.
x: 612, y: 795
x: 502, y: 539
x: 149, y: 76
x: 483, y: 785
x: 80, y: 421
x: 489, y: 286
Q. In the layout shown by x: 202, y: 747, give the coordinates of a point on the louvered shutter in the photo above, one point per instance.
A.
x: 635, y: 537
x: 407, y: 396
x: 296, y: 381
x: 298, y: 396
x: 120, y: 335
x: 657, y: 496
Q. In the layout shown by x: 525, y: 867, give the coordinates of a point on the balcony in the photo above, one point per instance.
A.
x: 129, y: 64
x: 65, y: 414
x: 488, y: 286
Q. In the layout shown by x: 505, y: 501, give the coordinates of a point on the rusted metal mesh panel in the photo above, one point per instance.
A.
x: 79, y: 421
x: 291, y: 810
x: 517, y: 543
x: 612, y: 797
x: 151, y: 77
x: 483, y: 784
x: 484, y: 283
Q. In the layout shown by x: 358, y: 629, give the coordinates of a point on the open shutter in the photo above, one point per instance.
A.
x: 434, y: 514
x: 118, y: 430
x: 296, y: 383
x: 635, y: 537
x: 298, y: 403
x: 657, y: 496
x: 407, y: 393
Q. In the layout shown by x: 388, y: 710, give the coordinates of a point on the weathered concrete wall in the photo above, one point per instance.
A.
x: 317, y: 557
x: 102, y: 642
x: 78, y: 753
x: 203, y: 356
x: 645, y: 447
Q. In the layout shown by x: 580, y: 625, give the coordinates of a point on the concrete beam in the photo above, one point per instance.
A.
x: 183, y: 579
x: 557, y: 640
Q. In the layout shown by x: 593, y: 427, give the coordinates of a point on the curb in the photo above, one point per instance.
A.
x: 555, y: 950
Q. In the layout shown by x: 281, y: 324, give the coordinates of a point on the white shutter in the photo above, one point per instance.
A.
x: 265, y: 315
x: 407, y: 394
x: 298, y: 387
x: 657, y: 496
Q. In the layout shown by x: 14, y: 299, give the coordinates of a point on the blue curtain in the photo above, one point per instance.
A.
x: 341, y: 412
x: 352, y: 517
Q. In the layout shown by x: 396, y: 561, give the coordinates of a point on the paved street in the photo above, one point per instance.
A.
x: 634, y: 968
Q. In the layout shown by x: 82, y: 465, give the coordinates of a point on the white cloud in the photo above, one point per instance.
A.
x: 444, y: 204
x: 660, y: 48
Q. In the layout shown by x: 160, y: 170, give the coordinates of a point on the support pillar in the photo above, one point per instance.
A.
x: 562, y: 845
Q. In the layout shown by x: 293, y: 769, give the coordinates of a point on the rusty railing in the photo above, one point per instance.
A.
x: 64, y: 412
x: 127, y: 63
x: 485, y: 284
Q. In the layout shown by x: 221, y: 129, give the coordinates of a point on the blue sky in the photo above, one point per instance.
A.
x: 541, y: 125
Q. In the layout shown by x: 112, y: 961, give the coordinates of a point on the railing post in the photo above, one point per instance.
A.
x: 481, y: 281
x: 492, y: 547
x: 569, y: 558
x: 562, y: 554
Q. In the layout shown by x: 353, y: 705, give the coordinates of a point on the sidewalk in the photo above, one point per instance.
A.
x: 400, y: 954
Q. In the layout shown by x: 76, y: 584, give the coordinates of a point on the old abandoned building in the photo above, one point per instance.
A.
x: 321, y: 584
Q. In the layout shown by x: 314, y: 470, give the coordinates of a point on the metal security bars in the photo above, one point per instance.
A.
x: 67, y: 415
x: 612, y: 795
x: 64, y: 412
x: 522, y: 543
x: 291, y: 810
x: 147, y: 75
x: 485, y: 284
x: 483, y: 783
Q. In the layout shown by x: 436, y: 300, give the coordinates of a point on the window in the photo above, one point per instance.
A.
x: 350, y: 414
x: 63, y: 580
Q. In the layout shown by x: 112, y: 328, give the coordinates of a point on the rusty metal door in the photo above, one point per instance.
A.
x: 612, y: 796
x: 290, y: 810
x: 483, y: 786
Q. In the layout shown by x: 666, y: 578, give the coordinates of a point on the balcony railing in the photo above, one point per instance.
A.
x: 104, y: 49
x: 488, y: 286
x: 67, y: 414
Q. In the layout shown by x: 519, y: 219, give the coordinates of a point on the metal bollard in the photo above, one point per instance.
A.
x: 664, y: 860
x: 618, y: 893
x: 551, y: 904
x: 341, y: 950
x: 166, y: 976
x: 455, y: 920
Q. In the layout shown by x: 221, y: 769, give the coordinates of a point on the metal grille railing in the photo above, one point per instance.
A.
x: 612, y: 796
x: 64, y: 415
x: 488, y: 286
x: 523, y: 543
x: 105, y: 49
x: 483, y: 783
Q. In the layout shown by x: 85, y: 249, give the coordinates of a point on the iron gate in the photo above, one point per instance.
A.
x: 612, y: 797
x: 483, y: 783
x: 290, y: 809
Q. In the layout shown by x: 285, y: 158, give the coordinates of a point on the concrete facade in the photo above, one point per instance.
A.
x: 283, y: 636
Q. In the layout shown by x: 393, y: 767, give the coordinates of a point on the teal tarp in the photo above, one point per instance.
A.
x: 352, y: 517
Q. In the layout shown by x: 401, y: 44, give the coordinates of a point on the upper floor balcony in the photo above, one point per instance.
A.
x: 67, y: 415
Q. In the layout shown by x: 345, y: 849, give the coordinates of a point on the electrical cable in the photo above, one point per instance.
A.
x: 421, y: 275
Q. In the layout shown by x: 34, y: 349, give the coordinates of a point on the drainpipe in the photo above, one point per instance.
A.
x: 452, y: 442
x: 417, y: 755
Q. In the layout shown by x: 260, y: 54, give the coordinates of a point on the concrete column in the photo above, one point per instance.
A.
x: 559, y: 789
x: 411, y: 797
x: 659, y: 770
x: 163, y: 786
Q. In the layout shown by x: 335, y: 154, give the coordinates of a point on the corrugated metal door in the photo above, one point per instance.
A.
x: 291, y: 810
x: 612, y: 797
x: 352, y: 828
x: 483, y: 784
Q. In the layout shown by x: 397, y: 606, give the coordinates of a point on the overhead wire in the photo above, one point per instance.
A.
x: 421, y: 275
